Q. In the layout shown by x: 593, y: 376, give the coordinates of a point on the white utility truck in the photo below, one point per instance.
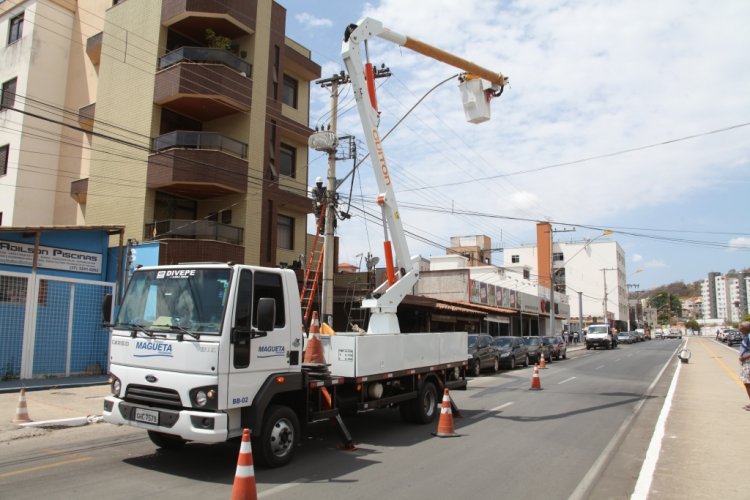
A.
x: 200, y: 351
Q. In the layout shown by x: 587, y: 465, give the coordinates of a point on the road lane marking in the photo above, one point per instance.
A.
x: 723, y: 365
x: 599, y: 367
x: 618, y: 359
x: 497, y: 408
x: 566, y: 380
x: 42, y: 467
x: 648, y: 468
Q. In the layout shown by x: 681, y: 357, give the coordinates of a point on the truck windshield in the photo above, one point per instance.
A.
x: 191, y: 299
x: 598, y: 329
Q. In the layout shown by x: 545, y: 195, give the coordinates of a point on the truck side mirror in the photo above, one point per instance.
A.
x: 266, y: 314
x: 107, y: 308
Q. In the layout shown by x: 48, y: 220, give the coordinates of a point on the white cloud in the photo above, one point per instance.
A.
x: 739, y: 243
x: 637, y: 258
x: 655, y: 263
x: 311, y: 21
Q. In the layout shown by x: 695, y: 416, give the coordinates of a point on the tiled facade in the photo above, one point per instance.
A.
x: 179, y: 137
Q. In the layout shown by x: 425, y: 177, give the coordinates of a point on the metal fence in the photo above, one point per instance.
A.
x: 51, y: 326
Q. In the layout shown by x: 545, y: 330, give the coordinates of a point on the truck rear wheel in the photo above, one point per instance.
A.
x: 424, y: 408
x: 166, y: 441
x: 279, y: 437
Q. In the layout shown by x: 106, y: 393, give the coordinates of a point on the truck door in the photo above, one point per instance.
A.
x: 256, y: 354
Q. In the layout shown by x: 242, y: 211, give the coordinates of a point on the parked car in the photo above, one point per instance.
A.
x: 513, y: 351
x: 482, y: 354
x: 627, y: 337
x: 558, y: 349
x: 674, y: 333
x: 536, y: 349
x: 732, y: 337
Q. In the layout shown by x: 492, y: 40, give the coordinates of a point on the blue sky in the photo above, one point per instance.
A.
x: 632, y: 116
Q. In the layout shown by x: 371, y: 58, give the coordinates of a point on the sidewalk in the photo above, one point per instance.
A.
x: 707, y: 431
x: 59, y: 402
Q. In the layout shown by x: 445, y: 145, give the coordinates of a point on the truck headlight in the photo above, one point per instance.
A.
x: 505, y: 355
x: 205, y: 397
x: 115, y: 385
x: 201, y: 398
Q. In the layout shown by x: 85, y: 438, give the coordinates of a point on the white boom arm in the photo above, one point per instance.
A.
x: 403, y: 276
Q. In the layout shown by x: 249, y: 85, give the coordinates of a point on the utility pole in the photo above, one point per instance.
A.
x: 635, y: 287
x: 326, y: 140
x: 580, y: 315
x: 604, y: 302
x: 552, y: 277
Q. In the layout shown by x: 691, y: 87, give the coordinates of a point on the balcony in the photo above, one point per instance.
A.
x: 203, y: 83
x: 94, y: 47
x: 206, y: 55
x: 86, y: 117
x: 231, y: 18
x: 194, y: 230
x: 197, y: 165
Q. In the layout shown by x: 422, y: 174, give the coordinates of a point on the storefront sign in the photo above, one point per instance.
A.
x: 22, y: 254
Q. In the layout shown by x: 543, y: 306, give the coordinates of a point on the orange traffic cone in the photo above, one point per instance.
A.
x: 542, y: 363
x: 314, y: 350
x: 22, y: 413
x: 536, y: 384
x: 445, y: 424
x: 244, y: 479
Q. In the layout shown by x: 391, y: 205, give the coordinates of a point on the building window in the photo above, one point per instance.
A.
x: 288, y: 160
x: 4, y: 159
x: 8, y: 98
x: 285, y: 232
x: 16, y: 29
x: 515, y: 259
x: 558, y: 257
x: 289, y: 96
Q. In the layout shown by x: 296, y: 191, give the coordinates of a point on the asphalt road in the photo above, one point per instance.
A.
x: 560, y: 442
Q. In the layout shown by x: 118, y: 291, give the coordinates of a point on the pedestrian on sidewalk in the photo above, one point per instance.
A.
x: 745, y: 357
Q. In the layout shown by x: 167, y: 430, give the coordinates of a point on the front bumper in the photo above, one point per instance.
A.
x: 206, y: 427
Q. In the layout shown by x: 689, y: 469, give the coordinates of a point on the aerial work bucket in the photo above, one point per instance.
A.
x: 475, y: 95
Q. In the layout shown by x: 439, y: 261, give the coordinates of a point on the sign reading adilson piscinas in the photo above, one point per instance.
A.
x: 22, y: 254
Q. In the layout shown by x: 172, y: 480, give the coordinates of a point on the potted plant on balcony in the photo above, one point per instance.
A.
x: 215, y: 41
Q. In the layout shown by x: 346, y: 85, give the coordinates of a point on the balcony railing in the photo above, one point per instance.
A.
x: 205, y: 55
x: 185, y: 139
x: 194, y: 229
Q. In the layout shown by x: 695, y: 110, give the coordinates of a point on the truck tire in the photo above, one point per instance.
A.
x: 279, y: 437
x: 166, y: 441
x: 424, y: 408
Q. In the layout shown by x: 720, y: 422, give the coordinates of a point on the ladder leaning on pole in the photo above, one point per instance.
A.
x: 313, y: 270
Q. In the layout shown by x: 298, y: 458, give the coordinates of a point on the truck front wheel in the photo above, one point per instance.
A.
x: 166, y: 441
x: 279, y: 437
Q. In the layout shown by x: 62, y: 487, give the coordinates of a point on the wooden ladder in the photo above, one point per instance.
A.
x: 313, y: 270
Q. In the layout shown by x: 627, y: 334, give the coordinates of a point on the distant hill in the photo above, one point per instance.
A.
x: 685, y: 290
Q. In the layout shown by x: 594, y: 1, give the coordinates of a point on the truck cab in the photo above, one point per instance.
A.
x: 192, y: 346
x: 601, y: 335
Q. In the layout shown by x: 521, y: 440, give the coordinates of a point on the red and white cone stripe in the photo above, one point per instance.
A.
x: 244, y: 487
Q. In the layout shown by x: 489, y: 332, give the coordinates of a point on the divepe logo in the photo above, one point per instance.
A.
x: 271, y: 351
x: 144, y: 349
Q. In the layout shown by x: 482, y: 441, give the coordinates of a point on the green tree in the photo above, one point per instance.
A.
x: 667, y: 305
x: 693, y: 325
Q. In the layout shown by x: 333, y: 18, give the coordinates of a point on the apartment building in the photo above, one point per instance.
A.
x: 586, y: 271
x: 725, y: 297
x: 185, y: 122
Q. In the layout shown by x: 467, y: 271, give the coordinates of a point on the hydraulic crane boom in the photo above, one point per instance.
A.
x: 403, y: 275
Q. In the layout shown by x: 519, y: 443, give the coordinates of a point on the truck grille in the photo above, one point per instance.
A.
x: 155, y: 396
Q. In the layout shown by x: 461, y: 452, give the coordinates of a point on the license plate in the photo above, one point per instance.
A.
x: 146, y: 416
